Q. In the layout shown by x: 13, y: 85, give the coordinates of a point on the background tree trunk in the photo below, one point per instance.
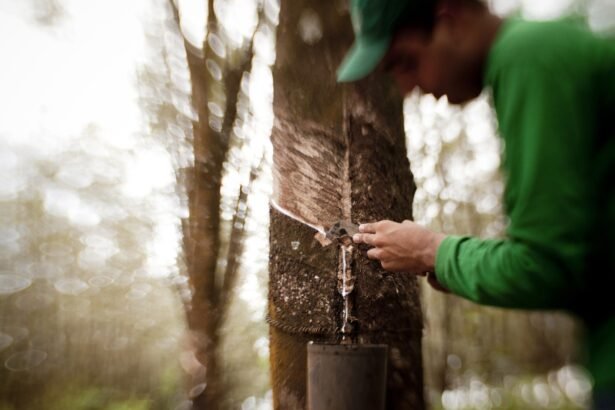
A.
x: 339, y: 154
x: 211, y: 290
x: 201, y: 230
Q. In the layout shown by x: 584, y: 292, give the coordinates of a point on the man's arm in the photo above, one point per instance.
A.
x: 549, y: 201
x: 548, y: 129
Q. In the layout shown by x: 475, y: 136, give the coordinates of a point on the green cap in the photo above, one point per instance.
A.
x: 374, y: 22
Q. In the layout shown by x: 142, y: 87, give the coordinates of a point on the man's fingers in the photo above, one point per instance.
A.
x: 367, y: 238
x: 368, y: 228
x: 374, y: 253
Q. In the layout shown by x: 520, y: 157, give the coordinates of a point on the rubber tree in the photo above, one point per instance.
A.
x: 338, y: 154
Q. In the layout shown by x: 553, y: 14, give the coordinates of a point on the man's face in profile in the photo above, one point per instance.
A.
x: 432, y: 62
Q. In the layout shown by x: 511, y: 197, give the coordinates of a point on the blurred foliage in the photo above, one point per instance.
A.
x: 90, y: 315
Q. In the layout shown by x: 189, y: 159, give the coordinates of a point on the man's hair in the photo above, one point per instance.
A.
x: 418, y: 15
x: 421, y: 14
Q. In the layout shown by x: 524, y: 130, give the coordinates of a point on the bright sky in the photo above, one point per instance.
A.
x: 59, y: 79
x: 68, y: 95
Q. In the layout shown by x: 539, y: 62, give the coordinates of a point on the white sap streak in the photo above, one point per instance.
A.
x: 344, y: 290
x: 297, y: 218
x: 344, y: 293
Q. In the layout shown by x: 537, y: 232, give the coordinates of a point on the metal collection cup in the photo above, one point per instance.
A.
x: 345, y: 377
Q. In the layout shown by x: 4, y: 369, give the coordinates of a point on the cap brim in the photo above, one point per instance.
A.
x: 362, y: 59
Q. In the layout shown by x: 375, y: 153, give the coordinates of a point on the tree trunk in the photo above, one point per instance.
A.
x: 339, y: 154
x: 211, y: 294
x: 201, y: 238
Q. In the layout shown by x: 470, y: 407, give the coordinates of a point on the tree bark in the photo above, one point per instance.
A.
x: 201, y: 231
x: 339, y: 154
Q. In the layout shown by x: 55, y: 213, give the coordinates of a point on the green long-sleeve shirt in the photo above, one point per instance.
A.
x: 553, y: 87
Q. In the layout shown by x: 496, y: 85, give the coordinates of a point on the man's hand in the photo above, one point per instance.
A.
x: 402, y: 247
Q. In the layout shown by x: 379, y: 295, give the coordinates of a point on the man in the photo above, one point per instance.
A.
x: 553, y: 87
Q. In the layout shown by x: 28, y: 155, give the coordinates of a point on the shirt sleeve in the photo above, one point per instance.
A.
x: 539, y: 264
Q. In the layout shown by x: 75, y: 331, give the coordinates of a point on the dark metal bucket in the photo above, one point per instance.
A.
x: 345, y: 377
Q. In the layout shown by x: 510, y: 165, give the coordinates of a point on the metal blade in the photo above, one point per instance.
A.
x: 342, y: 230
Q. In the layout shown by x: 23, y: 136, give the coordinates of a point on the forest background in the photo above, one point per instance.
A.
x: 113, y: 114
